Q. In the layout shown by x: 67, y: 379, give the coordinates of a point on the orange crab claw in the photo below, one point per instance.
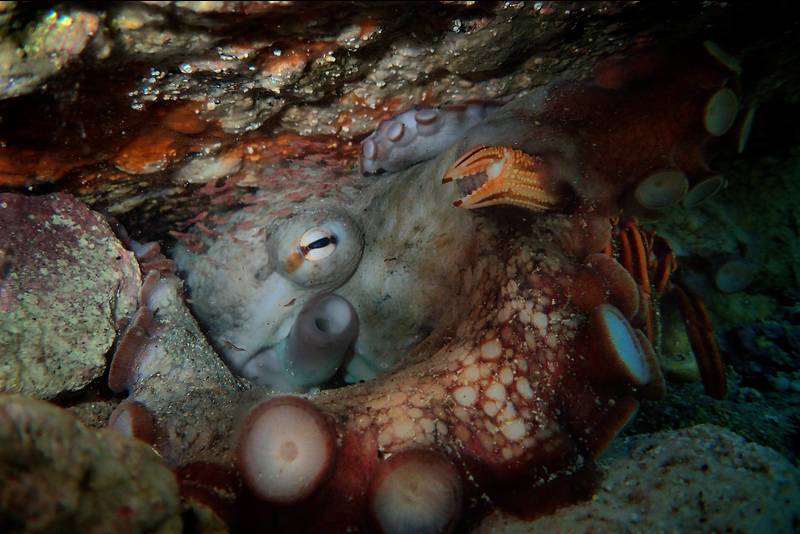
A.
x: 490, y: 175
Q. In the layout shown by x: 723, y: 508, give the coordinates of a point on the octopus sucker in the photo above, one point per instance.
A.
x: 416, y: 491
x: 721, y: 111
x: 286, y: 450
x: 604, y: 280
x: 386, y: 357
x: 418, y: 134
x: 745, y: 125
x: 703, y: 190
x: 662, y: 189
x: 129, y: 351
x: 622, y: 358
x: 728, y: 61
x: 132, y: 419
x: 656, y: 388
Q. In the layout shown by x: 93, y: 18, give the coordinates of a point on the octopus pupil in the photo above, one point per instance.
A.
x: 322, y: 243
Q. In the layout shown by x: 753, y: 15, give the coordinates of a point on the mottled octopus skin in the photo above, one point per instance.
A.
x: 180, y: 396
x: 506, y: 399
x: 511, y: 386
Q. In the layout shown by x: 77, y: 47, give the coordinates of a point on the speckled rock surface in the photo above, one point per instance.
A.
x: 93, y: 414
x: 699, y: 479
x: 48, y: 45
x: 768, y: 418
x: 60, y: 476
x: 65, y: 284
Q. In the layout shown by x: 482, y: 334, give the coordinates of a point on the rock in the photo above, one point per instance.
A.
x: 66, y: 283
x: 703, y: 478
x: 84, y: 91
x: 765, y: 354
x: 46, y: 46
x: 56, y: 475
x: 93, y: 414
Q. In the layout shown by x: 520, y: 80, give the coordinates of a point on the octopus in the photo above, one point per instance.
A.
x: 459, y: 326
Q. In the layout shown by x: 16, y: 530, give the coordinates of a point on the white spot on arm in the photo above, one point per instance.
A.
x: 496, y: 392
x: 465, y: 395
x: 539, y: 320
x: 514, y: 430
x: 524, y: 388
x: 491, y: 350
x: 506, y: 376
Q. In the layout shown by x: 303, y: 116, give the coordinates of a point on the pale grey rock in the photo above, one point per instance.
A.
x: 699, y: 479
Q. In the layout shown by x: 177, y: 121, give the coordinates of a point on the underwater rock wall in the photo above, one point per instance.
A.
x: 138, y: 107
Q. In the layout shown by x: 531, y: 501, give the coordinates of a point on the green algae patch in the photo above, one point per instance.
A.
x: 66, y: 284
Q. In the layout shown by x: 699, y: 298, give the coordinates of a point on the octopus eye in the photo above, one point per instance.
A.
x: 318, y: 248
x: 317, y: 244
